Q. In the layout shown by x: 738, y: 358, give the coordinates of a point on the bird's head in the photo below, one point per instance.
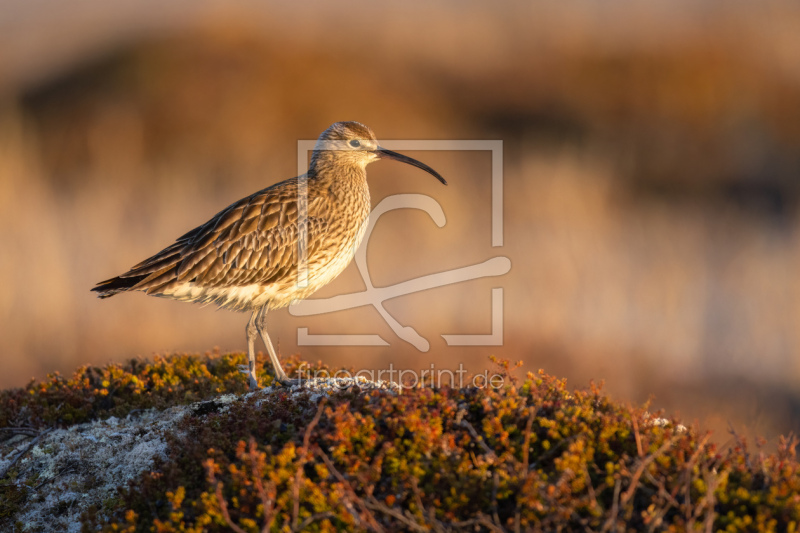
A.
x: 354, y: 144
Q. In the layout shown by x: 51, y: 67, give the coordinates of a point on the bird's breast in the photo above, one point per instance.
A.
x: 340, y: 222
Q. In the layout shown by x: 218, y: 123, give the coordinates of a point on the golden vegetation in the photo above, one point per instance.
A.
x: 531, y: 455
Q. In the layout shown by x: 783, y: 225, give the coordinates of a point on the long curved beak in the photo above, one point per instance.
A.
x: 383, y: 152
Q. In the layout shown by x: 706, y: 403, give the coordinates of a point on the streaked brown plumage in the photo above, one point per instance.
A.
x: 247, y: 257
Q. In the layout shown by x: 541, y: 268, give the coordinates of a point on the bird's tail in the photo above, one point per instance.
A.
x: 110, y: 287
x: 150, y: 275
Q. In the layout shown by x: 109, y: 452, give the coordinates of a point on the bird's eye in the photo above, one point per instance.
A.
x: 355, y: 144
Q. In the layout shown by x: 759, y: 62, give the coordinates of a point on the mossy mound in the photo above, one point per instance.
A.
x: 529, y: 456
x: 118, y: 389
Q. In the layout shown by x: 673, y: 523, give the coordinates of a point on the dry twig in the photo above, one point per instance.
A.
x: 348, y: 489
x: 17, y: 457
x: 302, y: 460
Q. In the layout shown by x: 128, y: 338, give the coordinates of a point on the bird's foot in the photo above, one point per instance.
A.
x: 252, y: 382
x: 289, y: 383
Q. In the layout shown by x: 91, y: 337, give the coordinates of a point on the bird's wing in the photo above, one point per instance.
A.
x: 253, y: 240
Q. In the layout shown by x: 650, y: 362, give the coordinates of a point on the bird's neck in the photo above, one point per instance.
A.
x: 345, y: 184
x: 340, y: 176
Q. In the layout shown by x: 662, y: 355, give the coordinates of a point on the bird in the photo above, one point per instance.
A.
x: 269, y: 249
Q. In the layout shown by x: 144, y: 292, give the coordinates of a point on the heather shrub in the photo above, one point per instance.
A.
x: 529, y: 456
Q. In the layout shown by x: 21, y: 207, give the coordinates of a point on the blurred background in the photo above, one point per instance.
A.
x: 651, y: 181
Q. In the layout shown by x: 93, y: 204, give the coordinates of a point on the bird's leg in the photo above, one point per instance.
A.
x: 261, y: 324
x: 252, y: 331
